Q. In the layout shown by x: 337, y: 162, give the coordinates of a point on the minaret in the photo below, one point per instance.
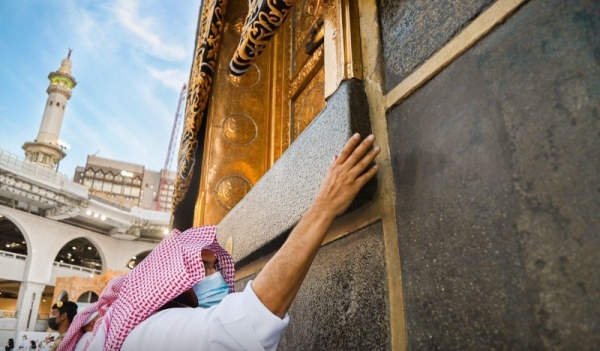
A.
x: 46, y: 148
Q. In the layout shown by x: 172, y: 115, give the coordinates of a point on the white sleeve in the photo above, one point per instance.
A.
x: 81, y: 343
x: 249, y: 322
x: 239, y: 322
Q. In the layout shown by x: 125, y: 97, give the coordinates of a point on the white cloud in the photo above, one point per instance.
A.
x: 172, y: 78
x: 96, y: 35
x: 145, y: 29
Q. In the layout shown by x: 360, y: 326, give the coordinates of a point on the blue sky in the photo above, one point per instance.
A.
x: 130, y: 59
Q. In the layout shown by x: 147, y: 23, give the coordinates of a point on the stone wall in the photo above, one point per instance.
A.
x: 342, y: 304
x: 413, y: 30
x: 497, y: 171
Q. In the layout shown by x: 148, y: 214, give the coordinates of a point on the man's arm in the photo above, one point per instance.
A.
x: 278, y: 283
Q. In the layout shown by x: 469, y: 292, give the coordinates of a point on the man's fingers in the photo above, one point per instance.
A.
x: 347, y: 150
x: 360, y: 151
x: 364, y: 163
x: 363, y: 179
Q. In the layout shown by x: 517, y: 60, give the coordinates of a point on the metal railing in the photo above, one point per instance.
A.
x: 77, y: 268
x: 20, y: 164
x: 108, y: 202
x: 13, y: 255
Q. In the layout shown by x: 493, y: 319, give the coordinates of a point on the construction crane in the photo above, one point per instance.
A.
x: 163, y: 189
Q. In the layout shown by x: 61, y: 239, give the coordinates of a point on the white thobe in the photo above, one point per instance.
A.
x: 81, y: 343
x: 24, y: 344
x: 239, y: 322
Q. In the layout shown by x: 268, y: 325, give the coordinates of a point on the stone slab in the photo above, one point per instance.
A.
x: 497, y: 169
x: 259, y: 222
x: 413, y: 30
x: 342, y: 304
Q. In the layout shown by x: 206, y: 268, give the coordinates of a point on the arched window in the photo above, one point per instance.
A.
x: 88, y: 297
x: 80, y: 252
x: 63, y: 296
x: 135, y: 260
x: 11, y: 238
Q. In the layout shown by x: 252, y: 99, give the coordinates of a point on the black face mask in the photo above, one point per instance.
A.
x: 52, y: 323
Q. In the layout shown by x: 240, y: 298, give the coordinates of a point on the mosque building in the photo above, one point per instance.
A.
x: 63, y: 239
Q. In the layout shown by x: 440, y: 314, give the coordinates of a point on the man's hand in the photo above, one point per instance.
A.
x: 347, y: 175
x: 278, y: 283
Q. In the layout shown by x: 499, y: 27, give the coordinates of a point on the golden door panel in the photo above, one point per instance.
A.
x: 305, y: 24
x: 253, y: 118
x: 237, y: 136
x: 306, y: 87
x: 309, y: 103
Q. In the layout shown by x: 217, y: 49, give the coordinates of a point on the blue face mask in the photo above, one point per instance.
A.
x: 211, y: 290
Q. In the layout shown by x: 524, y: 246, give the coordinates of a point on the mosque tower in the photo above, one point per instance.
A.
x: 47, y: 149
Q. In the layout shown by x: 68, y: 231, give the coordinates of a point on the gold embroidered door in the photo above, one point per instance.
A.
x: 252, y: 119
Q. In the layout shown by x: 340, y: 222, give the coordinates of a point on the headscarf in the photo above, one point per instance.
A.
x: 106, y: 299
x: 173, y: 267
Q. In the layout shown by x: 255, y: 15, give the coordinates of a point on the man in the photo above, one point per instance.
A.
x: 43, y: 346
x: 10, y: 345
x: 251, y: 320
x: 24, y: 343
x: 50, y: 343
x: 60, y: 319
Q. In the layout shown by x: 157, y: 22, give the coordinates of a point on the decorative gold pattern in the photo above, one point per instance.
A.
x: 308, y: 70
x: 307, y: 14
x: 233, y: 144
x: 309, y: 103
x: 305, y: 17
x: 238, y: 21
x: 249, y: 79
x: 285, y: 84
x: 265, y: 17
x: 239, y: 129
x: 231, y: 190
x: 207, y: 48
x: 342, y: 38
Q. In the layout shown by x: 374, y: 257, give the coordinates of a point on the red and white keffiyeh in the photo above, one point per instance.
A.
x: 173, y: 267
x: 75, y: 332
